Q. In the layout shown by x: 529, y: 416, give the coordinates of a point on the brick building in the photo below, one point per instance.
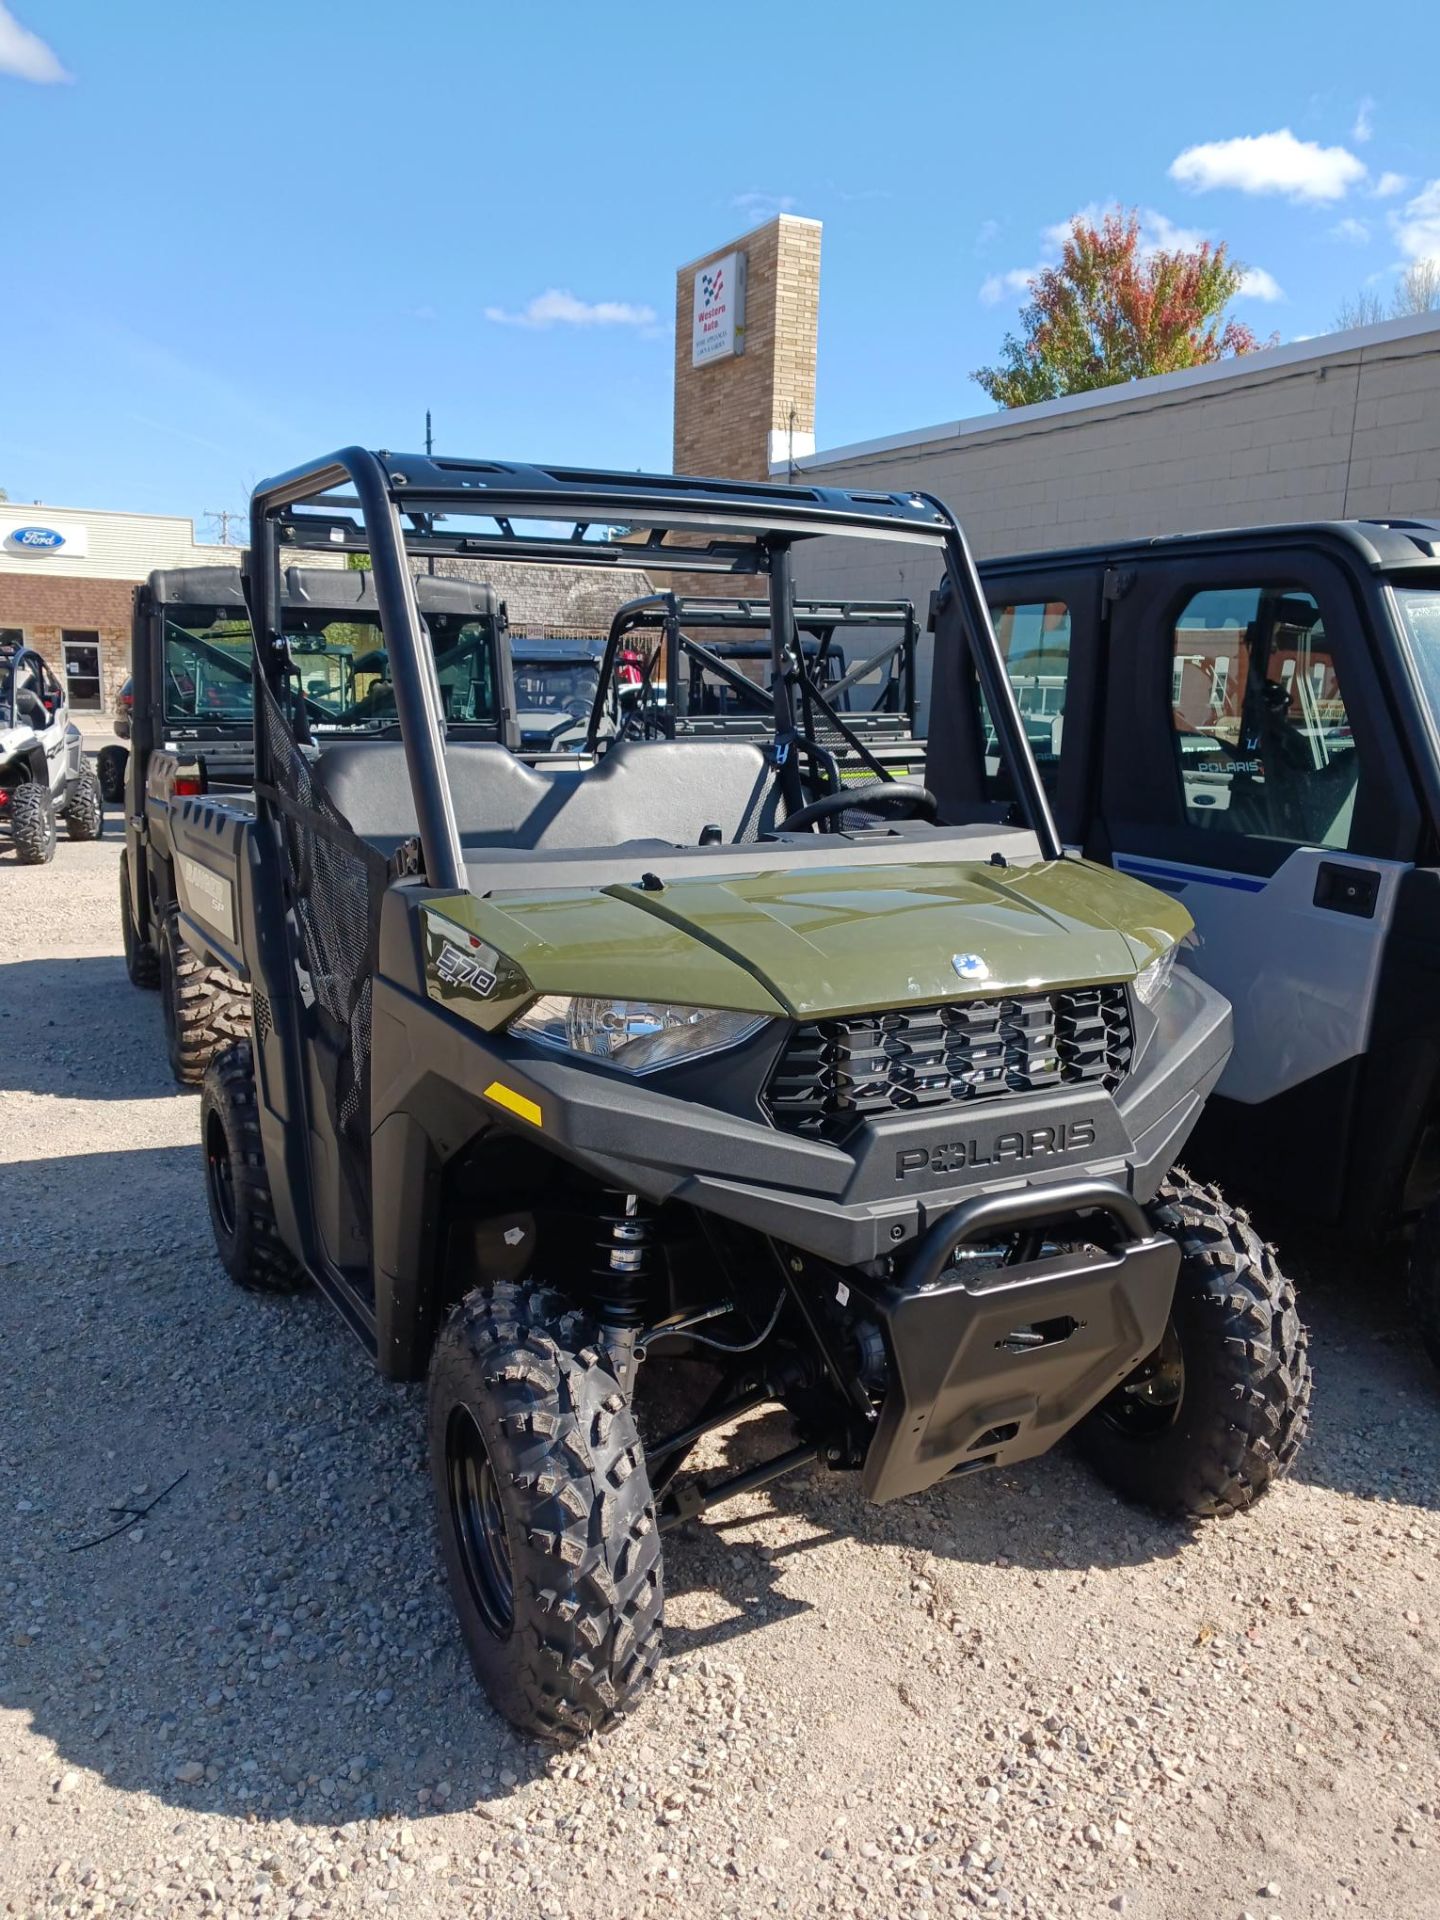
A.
x: 67, y: 585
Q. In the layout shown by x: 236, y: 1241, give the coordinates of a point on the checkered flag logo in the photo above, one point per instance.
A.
x: 712, y: 286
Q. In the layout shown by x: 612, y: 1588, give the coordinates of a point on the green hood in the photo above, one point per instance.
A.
x: 830, y: 939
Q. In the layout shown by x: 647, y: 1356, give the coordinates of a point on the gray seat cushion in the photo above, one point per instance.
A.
x: 660, y: 789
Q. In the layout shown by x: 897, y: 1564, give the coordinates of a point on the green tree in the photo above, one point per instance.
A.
x: 1112, y: 311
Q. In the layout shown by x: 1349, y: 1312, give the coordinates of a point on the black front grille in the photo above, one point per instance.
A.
x: 834, y: 1073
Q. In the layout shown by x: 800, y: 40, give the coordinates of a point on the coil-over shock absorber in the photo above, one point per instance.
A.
x: 620, y: 1277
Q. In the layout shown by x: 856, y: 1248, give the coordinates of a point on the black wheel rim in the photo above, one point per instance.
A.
x: 479, y: 1522
x: 1148, y: 1403
x: 220, y: 1172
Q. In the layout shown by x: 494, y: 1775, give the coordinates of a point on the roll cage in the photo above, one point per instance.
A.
x: 682, y: 659
x: 400, y: 507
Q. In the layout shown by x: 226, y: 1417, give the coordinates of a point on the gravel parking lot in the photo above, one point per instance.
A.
x: 1012, y: 1695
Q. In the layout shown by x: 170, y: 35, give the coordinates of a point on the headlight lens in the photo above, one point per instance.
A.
x: 637, y: 1036
x: 1152, y: 981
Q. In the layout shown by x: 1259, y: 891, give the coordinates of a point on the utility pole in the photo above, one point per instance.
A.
x: 222, y: 520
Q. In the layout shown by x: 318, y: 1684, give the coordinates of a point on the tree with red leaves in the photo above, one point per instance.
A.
x: 1113, y: 310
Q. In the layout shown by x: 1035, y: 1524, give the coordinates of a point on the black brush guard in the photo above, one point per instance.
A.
x: 994, y: 1367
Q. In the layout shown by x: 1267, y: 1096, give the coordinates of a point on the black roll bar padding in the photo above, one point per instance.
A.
x: 412, y: 672
x: 782, y: 639
x: 995, y: 681
x: 999, y: 1212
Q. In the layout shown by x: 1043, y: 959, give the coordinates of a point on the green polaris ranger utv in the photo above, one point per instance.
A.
x: 692, y: 1063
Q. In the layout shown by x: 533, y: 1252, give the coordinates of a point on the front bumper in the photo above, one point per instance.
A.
x: 875, y: 1197
x: 991, y: 1368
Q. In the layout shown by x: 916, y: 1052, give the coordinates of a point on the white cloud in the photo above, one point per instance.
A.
x: 761, y: 206
x: 1417, y: 225
x: 25, y: 54
x: 995, y: 286
x: 1270, y: 163
x: 989, y: 230
x: 1257, y: 284
x: 1364, y: 126
x: 1355, y: 231
x: 1388, y: 185
x: 558, y: 307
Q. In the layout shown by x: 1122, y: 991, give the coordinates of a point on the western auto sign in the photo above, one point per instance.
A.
x: 719, y: 322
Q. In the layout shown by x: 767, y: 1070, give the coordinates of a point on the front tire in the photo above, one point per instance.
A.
x: 110, y: 764
x: 1218, y: 1411
x: 204, y: 1007
x: 84, y: 807
x: 546, y: 1519
x: 237, y: 1186
x: 32, y: 823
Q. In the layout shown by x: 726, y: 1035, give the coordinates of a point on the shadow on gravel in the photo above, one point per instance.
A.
x: 274, y: 1638
x: 76, y: 1027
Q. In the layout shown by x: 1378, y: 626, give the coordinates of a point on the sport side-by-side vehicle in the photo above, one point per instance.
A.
x: 44, y: 775
x: 193, y: 718
x: 627, y: 1095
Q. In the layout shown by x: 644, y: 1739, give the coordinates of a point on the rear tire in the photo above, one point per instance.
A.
x: 32, y: 823
x: 546, y: 1519
x: 1218, y: 1412
x: 110, y: 764
x: 242, y: 1213
x: 142, y: 962
x: 204, y: 1007
x: 84, y: 807
x: 1425, y: 1281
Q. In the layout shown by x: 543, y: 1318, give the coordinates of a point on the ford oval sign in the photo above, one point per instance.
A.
x: 37, y: 539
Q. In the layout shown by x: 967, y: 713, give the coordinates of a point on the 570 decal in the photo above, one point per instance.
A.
x: 460, y: 969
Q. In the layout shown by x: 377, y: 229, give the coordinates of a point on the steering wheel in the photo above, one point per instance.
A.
x: 905, y: 799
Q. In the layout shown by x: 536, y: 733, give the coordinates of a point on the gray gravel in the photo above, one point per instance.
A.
x: 1012, y: 1695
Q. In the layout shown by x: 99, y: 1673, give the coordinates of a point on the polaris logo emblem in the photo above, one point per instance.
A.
x: 459, y: 969
x: 1021, y: 1146
x: 969, y: 966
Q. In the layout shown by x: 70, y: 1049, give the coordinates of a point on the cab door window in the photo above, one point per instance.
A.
x: 1034, y: 637
x: 1263, y: 741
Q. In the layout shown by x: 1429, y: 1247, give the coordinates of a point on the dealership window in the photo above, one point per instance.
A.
x: 12, y: 637
x: 1034, y: 637
x: 82, y: 670
x: 1263, y: 743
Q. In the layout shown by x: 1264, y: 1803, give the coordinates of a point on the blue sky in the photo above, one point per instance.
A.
x: 236, y: 237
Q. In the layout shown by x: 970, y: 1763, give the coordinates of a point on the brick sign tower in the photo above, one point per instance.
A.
x: 745, y: 325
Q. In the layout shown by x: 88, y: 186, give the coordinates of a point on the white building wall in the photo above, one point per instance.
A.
x: 102, y: 545
x: 1346, y: 426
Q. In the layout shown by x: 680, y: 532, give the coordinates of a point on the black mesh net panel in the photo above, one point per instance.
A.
x: 334, y: 885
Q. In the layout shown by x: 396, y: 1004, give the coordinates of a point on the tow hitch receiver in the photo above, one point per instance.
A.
x: 990, y: 1368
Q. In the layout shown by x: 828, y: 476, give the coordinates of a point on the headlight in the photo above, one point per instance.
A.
x: 635, y: 1035
x: 1152, y: 981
